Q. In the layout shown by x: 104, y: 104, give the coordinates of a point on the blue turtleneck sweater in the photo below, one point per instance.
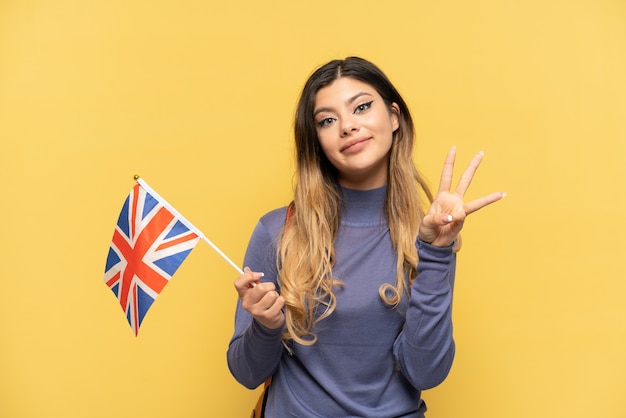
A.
x: 370, y: 360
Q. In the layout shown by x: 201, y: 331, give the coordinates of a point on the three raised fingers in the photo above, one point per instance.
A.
x: 480, y: 203
x: 445, y: 185
x: 466, y: 179
x: 446, y: 174
x: 468, y: 174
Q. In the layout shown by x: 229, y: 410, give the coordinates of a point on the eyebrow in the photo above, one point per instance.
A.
x: 349, y: 101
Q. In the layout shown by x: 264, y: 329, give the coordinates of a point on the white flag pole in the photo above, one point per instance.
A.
x: 186, y: 222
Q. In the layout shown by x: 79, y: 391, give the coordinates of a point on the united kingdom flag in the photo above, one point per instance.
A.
x: 151, y: 240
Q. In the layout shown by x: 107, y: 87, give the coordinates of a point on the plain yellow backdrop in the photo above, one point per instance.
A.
x: 198, y: 97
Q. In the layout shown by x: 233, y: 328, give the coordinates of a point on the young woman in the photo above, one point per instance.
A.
x: 351, y: 315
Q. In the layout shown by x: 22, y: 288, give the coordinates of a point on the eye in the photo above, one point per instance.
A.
x: 363, y: 107
x: 325, y: 122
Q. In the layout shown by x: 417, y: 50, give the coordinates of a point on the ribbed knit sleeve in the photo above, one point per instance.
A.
x: 254, y: 350
x: 424, y: 349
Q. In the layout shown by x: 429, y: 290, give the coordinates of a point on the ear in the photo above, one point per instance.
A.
x: 394, y: 111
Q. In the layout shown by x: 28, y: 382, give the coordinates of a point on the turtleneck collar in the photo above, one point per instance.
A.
x: 363, y: 208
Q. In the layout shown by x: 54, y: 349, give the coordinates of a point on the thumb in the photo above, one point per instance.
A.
x: 435, y: 220
x: 247, y: 280
x: 430, y: 227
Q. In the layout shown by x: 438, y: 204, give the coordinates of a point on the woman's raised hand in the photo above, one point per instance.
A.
x: 261, y: 300
x: 444, y: 220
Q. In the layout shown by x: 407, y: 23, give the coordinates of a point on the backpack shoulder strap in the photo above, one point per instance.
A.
x: 291, y: 209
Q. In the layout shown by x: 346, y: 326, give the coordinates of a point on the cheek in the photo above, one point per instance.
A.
x: 324, y: 140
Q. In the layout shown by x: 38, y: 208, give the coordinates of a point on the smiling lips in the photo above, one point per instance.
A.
x: 350, y: 145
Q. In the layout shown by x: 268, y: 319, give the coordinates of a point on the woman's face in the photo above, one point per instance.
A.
x: 355, y: 129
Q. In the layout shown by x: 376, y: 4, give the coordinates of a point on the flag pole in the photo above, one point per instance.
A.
x: 188, y: 224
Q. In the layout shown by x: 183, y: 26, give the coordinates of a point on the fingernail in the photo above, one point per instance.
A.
x: 504, y: 195
x: 448, y: 219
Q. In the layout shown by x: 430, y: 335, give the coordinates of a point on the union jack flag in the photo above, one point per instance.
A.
x: 151, y: 240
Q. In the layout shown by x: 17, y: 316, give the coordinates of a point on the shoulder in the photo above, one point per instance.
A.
x: 262, y: 244
x: 274, y: 217
x: 273, y: 220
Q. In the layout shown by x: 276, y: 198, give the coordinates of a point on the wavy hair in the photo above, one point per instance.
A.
x: 306, y: 252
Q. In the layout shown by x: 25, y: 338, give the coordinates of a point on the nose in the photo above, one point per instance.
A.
x: 348, y: 125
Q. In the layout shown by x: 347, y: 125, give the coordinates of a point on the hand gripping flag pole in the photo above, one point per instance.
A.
x: 151, y: 240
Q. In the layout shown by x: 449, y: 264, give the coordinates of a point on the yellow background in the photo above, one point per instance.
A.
x: 198, y: 98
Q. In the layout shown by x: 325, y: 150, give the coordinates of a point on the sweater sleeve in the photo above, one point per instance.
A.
x: 254, y: 350
x: 424, y: 349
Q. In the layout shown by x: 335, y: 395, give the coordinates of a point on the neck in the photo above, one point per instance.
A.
x: 363, y: 207
x: 363, y: 182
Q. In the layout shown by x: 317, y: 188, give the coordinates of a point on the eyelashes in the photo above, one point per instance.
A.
x: 360, y: 108
x: 325, y: 122
x: 363, y: 107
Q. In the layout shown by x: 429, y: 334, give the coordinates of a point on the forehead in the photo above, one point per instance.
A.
x: 342, y: 91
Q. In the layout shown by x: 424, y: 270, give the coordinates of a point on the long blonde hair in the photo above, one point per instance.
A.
x: 306, y: 253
